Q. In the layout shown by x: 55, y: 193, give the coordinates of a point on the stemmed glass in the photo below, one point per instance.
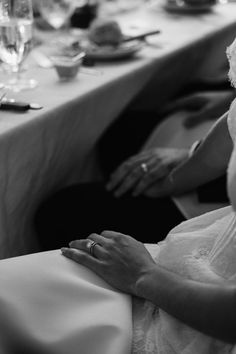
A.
x: 56, y: 12
x: 16, y: 36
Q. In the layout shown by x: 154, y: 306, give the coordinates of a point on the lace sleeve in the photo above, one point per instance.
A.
x: 231, y: 55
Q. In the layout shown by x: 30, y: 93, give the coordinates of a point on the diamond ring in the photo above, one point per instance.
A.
x: 144, y: 167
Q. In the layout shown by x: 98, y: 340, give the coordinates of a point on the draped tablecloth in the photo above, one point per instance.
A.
x: 47, y: 149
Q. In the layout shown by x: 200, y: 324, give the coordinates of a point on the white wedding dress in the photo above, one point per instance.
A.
x: 51, y: 305
x: 201, y: 249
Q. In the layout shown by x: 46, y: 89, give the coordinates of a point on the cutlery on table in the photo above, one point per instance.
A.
x: 128, y: 38
x: 19, y: 106
x: 140, y: 36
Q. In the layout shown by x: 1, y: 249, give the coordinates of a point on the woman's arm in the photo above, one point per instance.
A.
x: 208, y: 162
x: 209, y: 308
x: 126, y: 264
x: 160, y: 162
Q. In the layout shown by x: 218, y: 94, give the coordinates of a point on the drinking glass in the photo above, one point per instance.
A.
x: 16, y: 36
x: 56, y: 12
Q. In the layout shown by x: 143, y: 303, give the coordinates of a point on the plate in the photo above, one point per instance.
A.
x: 106, y: 53
x: 181, y: 7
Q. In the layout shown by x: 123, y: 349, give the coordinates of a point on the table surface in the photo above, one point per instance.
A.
x: 46, y: 149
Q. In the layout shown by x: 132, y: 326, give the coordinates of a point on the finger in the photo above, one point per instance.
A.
x: 157, y: 170
x: 129, y: 182
x: 147, y: 157
x: 98, y: 238
x: 85, y: 245
x: 118, y: 176
x: 82, y: 245
x: 125, y: 169
x: 160, y: 169
x: 143, y: 156
x: 82, y: 258
x: 147, y: 180
x: 112, y: 234
x: 143, y: 177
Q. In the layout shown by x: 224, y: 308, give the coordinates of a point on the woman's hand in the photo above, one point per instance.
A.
x: 131, y: 176
x: 117, y: 258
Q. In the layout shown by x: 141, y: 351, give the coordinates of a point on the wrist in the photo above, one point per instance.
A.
x: 144, y: 282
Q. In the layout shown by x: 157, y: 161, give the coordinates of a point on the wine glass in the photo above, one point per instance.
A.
x: 16, y: 36
x: 56, y: 12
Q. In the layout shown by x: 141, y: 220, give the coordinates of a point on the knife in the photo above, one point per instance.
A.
x: 127, y: 38
x: 13, y: 105
x: 140, y: 36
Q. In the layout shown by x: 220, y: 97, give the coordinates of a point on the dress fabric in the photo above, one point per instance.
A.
x: 198, y: 249
x: 201, y: 249
x: 51, y: 305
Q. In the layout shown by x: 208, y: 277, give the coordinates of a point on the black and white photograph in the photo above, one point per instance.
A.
x: 117, y: 177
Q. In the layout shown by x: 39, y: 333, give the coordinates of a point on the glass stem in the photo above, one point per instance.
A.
x: 16, y: 73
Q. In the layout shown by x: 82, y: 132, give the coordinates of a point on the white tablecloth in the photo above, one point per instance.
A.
x: 43, y: 150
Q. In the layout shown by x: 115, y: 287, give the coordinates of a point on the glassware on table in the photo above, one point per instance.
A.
x: 67, y: 67
x: 56, y: 12
x: 85, y: 12
x: 16, y: 37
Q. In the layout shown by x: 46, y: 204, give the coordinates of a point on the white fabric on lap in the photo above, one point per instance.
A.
x: 49, y: 304
x: 189, y: 251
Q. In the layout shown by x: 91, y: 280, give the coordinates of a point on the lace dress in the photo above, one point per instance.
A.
x: 198, y: 249
x: 202, y: 249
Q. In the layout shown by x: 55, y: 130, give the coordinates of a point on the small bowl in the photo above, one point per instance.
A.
x: 67, y: 67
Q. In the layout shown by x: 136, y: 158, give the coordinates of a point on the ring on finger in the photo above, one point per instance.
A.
x: 144, y: 167
x: 90, y: 246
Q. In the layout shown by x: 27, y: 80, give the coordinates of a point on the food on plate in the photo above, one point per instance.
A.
x: 105, y: 32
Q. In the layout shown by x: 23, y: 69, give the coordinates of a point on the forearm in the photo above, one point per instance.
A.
x: 207, y: 163
x: 209, y: 308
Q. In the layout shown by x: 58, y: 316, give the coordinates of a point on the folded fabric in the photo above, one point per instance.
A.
x: 50, y: 304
